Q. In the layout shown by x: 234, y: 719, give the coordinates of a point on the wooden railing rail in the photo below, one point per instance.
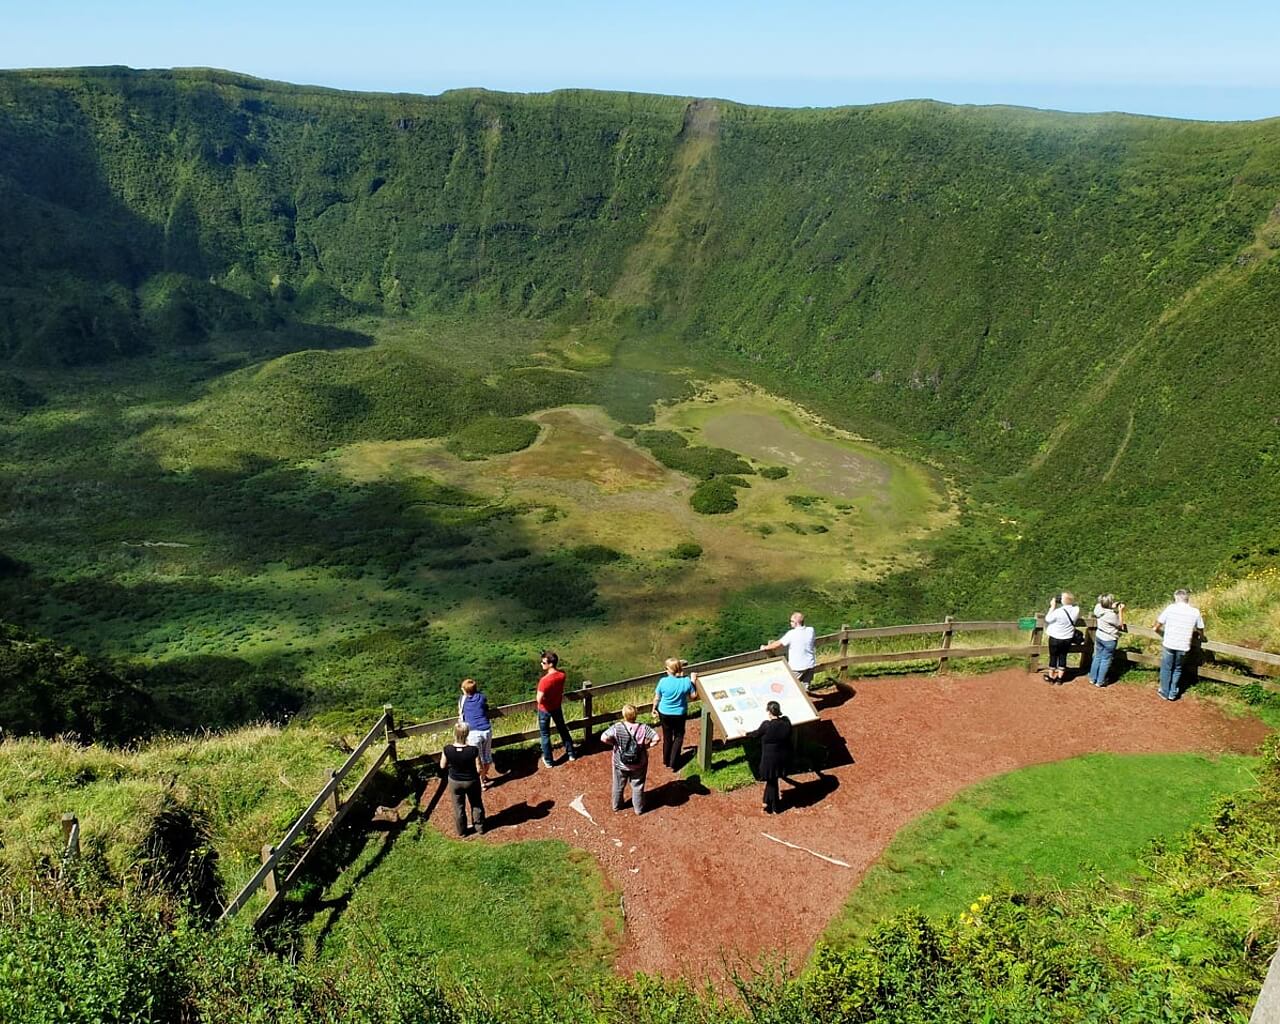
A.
x: 843, y: 637
x: 385, y: 728
x: 929, y: 654
x: 267, y: 874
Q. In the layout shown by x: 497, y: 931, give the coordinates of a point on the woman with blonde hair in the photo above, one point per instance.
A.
x: 631, y: 741
x: 459, y: 759
x: 473, y: 709
x: 671, y: 702
x: 1060, y: 623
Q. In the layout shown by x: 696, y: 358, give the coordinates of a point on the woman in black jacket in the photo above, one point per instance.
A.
x: 775, y: 753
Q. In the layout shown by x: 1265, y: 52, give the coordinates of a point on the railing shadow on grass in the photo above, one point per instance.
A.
x: 344, y: 849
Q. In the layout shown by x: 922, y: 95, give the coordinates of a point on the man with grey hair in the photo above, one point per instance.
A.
x: 1178, y: 625
x: 802, y: 654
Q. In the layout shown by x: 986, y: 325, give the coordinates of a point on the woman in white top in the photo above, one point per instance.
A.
x: 1110, y: 616
x: 1060, y: 623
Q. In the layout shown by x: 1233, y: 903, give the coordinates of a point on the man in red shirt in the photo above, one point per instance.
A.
x: 550, y: 697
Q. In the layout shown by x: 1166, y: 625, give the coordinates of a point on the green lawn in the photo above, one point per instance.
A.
x: 500, y: 917
x: 1063, y: 823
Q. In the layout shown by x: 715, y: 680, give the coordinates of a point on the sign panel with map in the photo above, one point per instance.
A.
x: 737, y: 696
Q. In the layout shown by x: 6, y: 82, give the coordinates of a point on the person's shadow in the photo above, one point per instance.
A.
x: 833, y: 698
x: 517, y: 814
x: 821, y: 746
x: 809, y: 792
x: 675, y: 793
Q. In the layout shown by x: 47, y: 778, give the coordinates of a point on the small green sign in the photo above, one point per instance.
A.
x: 1027, y: 623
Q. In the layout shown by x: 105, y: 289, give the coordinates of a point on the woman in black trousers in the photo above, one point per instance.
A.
x: 775, y: 754
x: 461, y: 762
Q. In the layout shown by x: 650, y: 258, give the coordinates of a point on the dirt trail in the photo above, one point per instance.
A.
x: 693, y: 869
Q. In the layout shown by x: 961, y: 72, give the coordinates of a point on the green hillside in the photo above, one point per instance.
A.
x: 1078, y: 308
x: 210, y: 284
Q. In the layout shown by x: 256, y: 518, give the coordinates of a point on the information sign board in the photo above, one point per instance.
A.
x: 737, y: 696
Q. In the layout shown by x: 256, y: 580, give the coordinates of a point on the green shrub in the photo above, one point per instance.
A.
x: 713, y: 497
x: 492, y: 435
x: 594, y: 554
x: 674, y: 451
x: 774, y: 472
x: 687, y: 550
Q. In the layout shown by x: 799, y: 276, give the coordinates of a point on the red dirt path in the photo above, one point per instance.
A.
x: 694, y: 868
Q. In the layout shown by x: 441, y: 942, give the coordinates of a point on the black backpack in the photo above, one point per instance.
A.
x: 630, y: 753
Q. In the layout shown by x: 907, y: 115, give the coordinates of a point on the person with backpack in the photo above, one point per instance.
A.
x: 631, y: 741
x: 1060, y: 623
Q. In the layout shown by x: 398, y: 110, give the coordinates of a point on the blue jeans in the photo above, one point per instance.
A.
x: 1100, y: 664
x: 1171, y: 671
x: 545, y: 718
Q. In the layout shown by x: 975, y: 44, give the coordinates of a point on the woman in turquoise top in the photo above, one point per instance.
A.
x: 671, y: 701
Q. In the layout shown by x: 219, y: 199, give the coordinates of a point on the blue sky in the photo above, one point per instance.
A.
x: 1175, y: 58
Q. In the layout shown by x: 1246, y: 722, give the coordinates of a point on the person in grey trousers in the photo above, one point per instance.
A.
x: 630, y: 741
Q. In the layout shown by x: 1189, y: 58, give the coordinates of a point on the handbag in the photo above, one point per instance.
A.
x: 1077, y: 637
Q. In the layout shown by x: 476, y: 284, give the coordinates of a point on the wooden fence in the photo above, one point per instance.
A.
x: 384, y: 734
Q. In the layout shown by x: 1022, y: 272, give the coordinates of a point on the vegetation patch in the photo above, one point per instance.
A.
x: 674, y: 451
x: 713, y: 497
x: 492, y: 435
x: 507, y: 914
x: 1060, y: 824
x: 687, y: 551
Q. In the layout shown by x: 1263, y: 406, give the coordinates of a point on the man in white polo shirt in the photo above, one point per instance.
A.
x: 1178, y: 625
x: 801, y: 653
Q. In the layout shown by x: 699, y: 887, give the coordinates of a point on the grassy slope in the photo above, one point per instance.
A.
x: 1063, y: 824
x: 502, y: 917
x: 250, y: 784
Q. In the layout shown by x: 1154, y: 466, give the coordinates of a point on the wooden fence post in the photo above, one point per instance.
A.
x: 71, y: 835
x: 706, y: 734
x: 390, y: 731
x: 1037, y: 641
x: 272, y: 882
x: 334, y: 802
x: 587, y: 711
x: 843, y: 676
x: 946, y: 643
